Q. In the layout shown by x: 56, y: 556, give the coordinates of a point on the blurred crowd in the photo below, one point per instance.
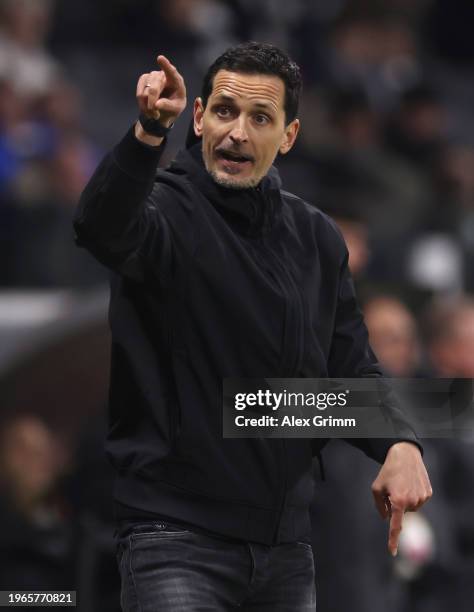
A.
x: 386, y: 148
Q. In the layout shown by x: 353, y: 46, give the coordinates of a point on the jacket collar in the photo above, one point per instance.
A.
x: 251, y: 211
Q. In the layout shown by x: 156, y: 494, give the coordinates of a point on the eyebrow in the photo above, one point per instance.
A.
x: 232, y: 99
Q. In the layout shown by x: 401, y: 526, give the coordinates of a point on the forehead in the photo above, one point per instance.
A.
x: 262, y: 88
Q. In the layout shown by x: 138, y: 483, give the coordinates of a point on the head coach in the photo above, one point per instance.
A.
x: 217, y: 272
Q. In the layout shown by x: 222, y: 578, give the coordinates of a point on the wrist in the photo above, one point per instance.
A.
x: 403, y: 447
x: 145, y: 137
x: 155, y: 126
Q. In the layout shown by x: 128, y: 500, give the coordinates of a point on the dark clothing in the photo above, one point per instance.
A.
x: 211, y: 283
x: 171, y: 569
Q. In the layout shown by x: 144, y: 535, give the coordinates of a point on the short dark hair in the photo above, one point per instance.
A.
x: 259, y: 58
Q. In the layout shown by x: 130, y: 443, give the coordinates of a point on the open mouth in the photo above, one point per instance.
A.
x: 231, y: 156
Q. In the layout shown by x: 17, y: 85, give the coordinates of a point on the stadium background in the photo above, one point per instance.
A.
x: 386, y: 148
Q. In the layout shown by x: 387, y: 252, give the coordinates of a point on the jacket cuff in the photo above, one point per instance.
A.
x: 137, y: 159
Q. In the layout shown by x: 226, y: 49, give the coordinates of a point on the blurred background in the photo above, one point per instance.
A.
x: 386, y: 148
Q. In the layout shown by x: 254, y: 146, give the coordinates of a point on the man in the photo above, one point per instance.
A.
x: 219, y: 273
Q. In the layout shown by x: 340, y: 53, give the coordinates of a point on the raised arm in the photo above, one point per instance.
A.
x: 117, y: 220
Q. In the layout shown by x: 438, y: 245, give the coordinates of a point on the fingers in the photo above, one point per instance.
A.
x: 381, y: 504
x: 149, y: 89
x: 141, y: 93
x: 141, y: 84
x: 171, y: 107
x: 162, y: 93
x: 414, y: 503
x: 155, y: 85
x: 403, y: 484
x: 397, y: 508
x: 173, y: 79
x: 395, y: 528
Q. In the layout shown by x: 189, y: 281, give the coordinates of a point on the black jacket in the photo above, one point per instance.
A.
x: 212, y: 283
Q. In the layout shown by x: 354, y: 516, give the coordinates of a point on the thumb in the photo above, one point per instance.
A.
x: 170, y: 107
x: 381, y: 503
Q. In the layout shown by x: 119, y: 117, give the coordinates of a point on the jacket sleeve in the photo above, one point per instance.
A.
x: 118, y: 219
x: 351, y: 357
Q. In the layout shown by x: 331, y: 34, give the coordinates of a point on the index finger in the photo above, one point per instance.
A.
x: 396, y: 519
x: 172, y: 75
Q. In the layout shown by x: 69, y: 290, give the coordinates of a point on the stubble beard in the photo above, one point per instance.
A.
x: 228, y: 181
x: 231, y: 183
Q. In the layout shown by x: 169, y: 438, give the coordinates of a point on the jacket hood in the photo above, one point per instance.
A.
x: 252, y: 211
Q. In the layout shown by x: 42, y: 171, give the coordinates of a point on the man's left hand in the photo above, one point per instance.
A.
x: 402, y: 485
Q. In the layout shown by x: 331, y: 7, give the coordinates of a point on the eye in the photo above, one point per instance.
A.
x: 224, y: 112
x: 261, y: 119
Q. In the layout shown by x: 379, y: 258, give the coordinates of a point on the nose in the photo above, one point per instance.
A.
x: 238, y: 134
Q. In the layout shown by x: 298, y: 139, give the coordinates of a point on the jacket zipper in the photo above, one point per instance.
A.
x: 293, y: 365
x: 279, y: 443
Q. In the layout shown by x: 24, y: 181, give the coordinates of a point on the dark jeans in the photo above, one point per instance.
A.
x: 166, y: 568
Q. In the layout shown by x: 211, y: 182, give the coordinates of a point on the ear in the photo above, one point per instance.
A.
x: 291, y: 132
x: 198, y: 112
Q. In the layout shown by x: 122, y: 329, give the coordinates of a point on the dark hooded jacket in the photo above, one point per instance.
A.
x: 209, y: 283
